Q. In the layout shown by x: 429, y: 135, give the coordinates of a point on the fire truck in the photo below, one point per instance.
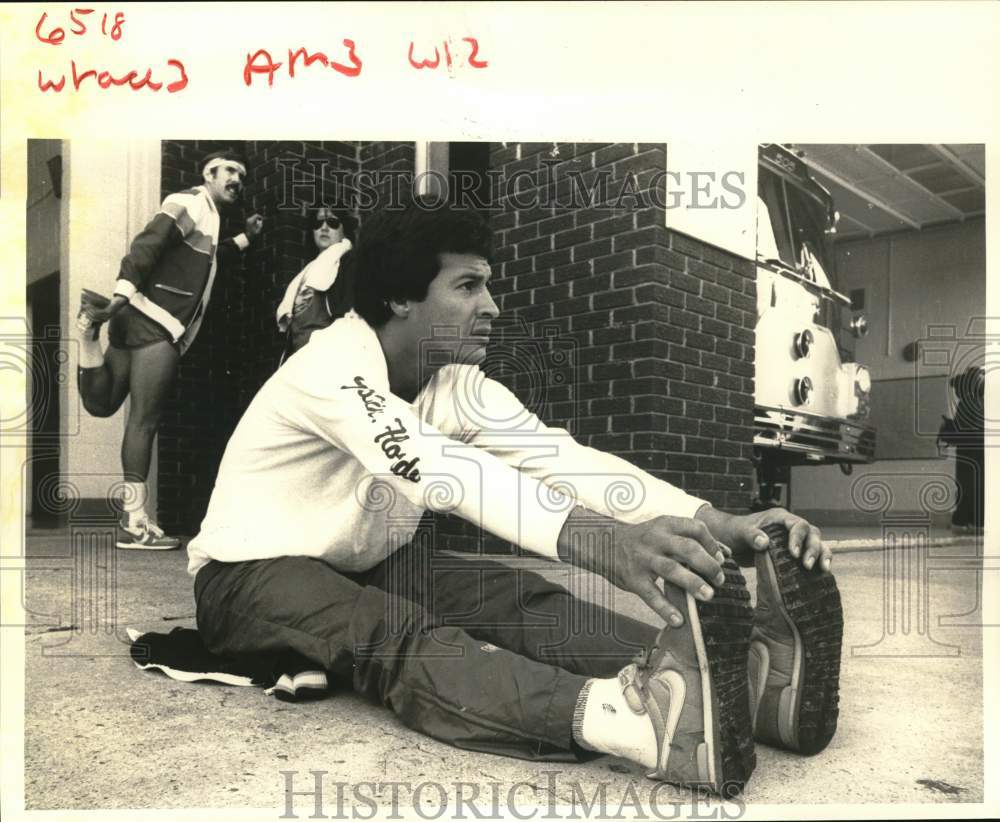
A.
x: 812, y: 399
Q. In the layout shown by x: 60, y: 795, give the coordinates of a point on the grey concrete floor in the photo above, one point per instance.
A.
x: 100, y: 733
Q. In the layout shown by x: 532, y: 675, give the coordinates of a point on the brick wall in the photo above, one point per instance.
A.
x: 285, y: 180
x: 388, y: 162
x: 642, y: 338
x: 660, y: 326
x: 238, y: 346
x: 202, y: 408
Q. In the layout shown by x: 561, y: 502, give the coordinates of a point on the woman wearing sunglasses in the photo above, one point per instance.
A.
x: 320, y: 293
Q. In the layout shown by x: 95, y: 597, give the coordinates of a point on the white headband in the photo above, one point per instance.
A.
x: 222, y: 161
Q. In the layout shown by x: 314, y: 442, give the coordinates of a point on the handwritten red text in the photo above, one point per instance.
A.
x: 111, y: 26
x: 469, y: 56
x: 261, y: 62
x: 106, y: 80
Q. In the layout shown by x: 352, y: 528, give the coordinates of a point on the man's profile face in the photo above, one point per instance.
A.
x: 225, y: 182
x: 327, y: 229
x: 458, y: 311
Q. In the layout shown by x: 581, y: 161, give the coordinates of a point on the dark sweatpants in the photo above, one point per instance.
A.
x: 466, y: 650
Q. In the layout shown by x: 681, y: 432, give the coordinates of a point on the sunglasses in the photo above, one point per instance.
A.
x: 333, y: 222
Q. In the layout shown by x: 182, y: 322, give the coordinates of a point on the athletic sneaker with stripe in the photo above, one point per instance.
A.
x: 144, y: 535
x: 794, y: 667
x: 692, y: 683
x: 95, y: 300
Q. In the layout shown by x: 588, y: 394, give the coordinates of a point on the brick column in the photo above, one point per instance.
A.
x: 238, y: 346
x: 661, y: 324
x: 198, y: 415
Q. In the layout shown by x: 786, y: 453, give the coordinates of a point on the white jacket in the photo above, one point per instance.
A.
x: 318, y: 275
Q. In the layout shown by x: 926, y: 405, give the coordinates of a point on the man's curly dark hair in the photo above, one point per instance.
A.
x: 399, y: 253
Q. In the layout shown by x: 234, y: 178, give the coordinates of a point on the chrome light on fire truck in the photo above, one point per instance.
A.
x: 803, y: 342
x: 859, y: 325
x: 862, y: 393
x: 802, y: 390
x: 863, y: 381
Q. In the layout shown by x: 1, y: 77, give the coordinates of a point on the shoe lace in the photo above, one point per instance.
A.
x: 153, y: 528
x: 632, y: 679
x: 644, y: 658
x: 150, y: 527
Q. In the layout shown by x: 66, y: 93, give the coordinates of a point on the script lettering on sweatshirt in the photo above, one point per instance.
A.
x: 374, y: 403
x: 390, y: 440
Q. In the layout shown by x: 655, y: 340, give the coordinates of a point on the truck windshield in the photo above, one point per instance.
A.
x: 798, y: 223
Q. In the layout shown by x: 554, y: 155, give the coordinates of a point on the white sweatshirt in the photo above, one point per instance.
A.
x: 326, y: 462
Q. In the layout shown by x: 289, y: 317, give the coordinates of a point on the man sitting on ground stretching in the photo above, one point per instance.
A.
x: 306, y: 547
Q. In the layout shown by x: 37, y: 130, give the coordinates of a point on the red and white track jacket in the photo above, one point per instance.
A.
x: 171, y: 264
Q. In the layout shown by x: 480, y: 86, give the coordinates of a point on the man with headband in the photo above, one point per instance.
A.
x: 159, y: 301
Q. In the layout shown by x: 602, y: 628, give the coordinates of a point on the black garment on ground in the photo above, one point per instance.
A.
x: 182, y: 656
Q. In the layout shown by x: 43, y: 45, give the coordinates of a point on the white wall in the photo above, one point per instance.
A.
x: 110, y: 190
x: 935, y: 277
x: 912, y: 280
x: 824, y: 488
x: 700, y: 193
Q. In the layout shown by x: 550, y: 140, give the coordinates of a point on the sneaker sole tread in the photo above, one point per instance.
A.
x: 811, y: 600
x: 726, y: 622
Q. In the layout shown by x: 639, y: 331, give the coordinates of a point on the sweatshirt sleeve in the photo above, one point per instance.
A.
x: 353, y: 409
x: 601, y: 482
x: 169, y: 226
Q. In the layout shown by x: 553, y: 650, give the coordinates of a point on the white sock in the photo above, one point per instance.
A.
x: 91, y: 355
x: 604, y: 722
x: 134, y: 501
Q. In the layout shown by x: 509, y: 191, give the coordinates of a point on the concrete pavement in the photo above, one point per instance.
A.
x: 99, y: 733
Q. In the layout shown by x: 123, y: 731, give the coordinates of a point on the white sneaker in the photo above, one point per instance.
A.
x: 693, y: 686
x: 144, y: 535
x: 83, y: 322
